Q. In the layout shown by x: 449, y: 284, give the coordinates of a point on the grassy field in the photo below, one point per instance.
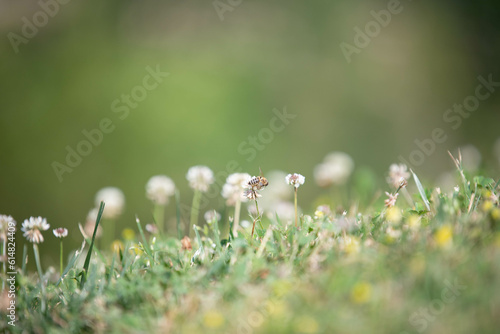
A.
x: 423, y: 262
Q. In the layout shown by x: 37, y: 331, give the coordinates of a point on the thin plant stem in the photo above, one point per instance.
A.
x: 61, y: 258
x: 40, y: 274
x: 237, y: 209
x: 257, y: 218
x: 178, y: 213
x: 195, y: 208
x: 160, y: 217
x: 296, y: 215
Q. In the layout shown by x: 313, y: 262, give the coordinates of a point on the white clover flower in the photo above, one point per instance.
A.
x: 336, y: 169
x: 211, y: 215
x: 252, y: 194
x: 159, y: 188
x: 114, y: 201
x: 295, y: 179
x: 5, y: 223
x: 60, y: 232
x: 233, y: 188
x: 200, y: 178
x: 32, y: 229
x: 397, y: 173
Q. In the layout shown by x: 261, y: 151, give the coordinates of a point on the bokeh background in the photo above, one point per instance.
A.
x: 226, y: 77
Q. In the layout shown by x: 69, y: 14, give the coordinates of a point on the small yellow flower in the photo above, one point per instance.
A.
x: 393, y: 215
x: 306, y: 324
x: 495, y: 213
x: 137, y: 249
x: 487, y: 206
x: 414, y: 222
x: 350, y: 245
x: 128, y: 234
x: 117, y: 246
x: 213, y: 319
x: 361, y: 293
x: 444, y: 236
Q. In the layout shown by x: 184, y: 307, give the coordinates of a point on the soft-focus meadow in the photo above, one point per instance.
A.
x: 97, y: 98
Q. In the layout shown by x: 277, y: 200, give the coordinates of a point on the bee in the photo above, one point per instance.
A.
x: 258, y: 182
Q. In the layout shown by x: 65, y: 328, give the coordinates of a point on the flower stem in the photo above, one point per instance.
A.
x: 195, y: 208
x: 296, y: 215
x: 237, y: 209
x: 257, y: 218
x: 159, y: 216
x: 61, y: 258
x: 40, y: 274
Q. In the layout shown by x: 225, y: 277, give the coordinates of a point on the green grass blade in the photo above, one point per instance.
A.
x: 89, y: 254
x: 421, y: 191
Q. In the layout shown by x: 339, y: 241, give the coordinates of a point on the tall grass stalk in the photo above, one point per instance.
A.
x: 40, y: 274
x: 195, y: 208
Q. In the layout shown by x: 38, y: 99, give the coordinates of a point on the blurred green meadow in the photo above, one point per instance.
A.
x: 229, y: 68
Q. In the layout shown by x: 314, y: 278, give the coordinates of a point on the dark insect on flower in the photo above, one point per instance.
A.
x: 258, y: 182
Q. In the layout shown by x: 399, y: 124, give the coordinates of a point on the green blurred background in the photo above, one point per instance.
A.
x: 226, y: 77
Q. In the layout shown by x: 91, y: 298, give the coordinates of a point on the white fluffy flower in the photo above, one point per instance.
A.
x: 295, y: 179
x: 200, y: 178
x: 159, y: 188
x: 397, y: 172
x: 211, y: 215
x: 336, y: 169
x: 232, y: 190
x: 5, y: 222
x: 60, y: 232
x: 114, y: 201
x: 32, y: 229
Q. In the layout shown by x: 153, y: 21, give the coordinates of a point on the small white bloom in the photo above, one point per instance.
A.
x: 5, y: 223
x: 200, y: 178
x: 252, y: 194
x: 210, y: 216
x: 32, y: 229
x: 114, y: 201
x: 60, y: 232
x: 391, y: 200
x: 159, y: 188
x: 336, y: 169
x: 295, y: 179
x: 233, y: 188
x: 397, y: 173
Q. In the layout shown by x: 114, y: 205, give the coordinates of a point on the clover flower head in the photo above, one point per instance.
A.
x: 200, y: 178
x: 252, y: 194
x: 232, y: 189
x: 295, y: 179
x: 5, y: 223
x: 32, y: 228
x: 159, y: 188
x: 335, y: 169
x: 397, y: 173
x: 60, y: 232
x: 211, y: 215
x: 391, y: 199
x: 114, y: 200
